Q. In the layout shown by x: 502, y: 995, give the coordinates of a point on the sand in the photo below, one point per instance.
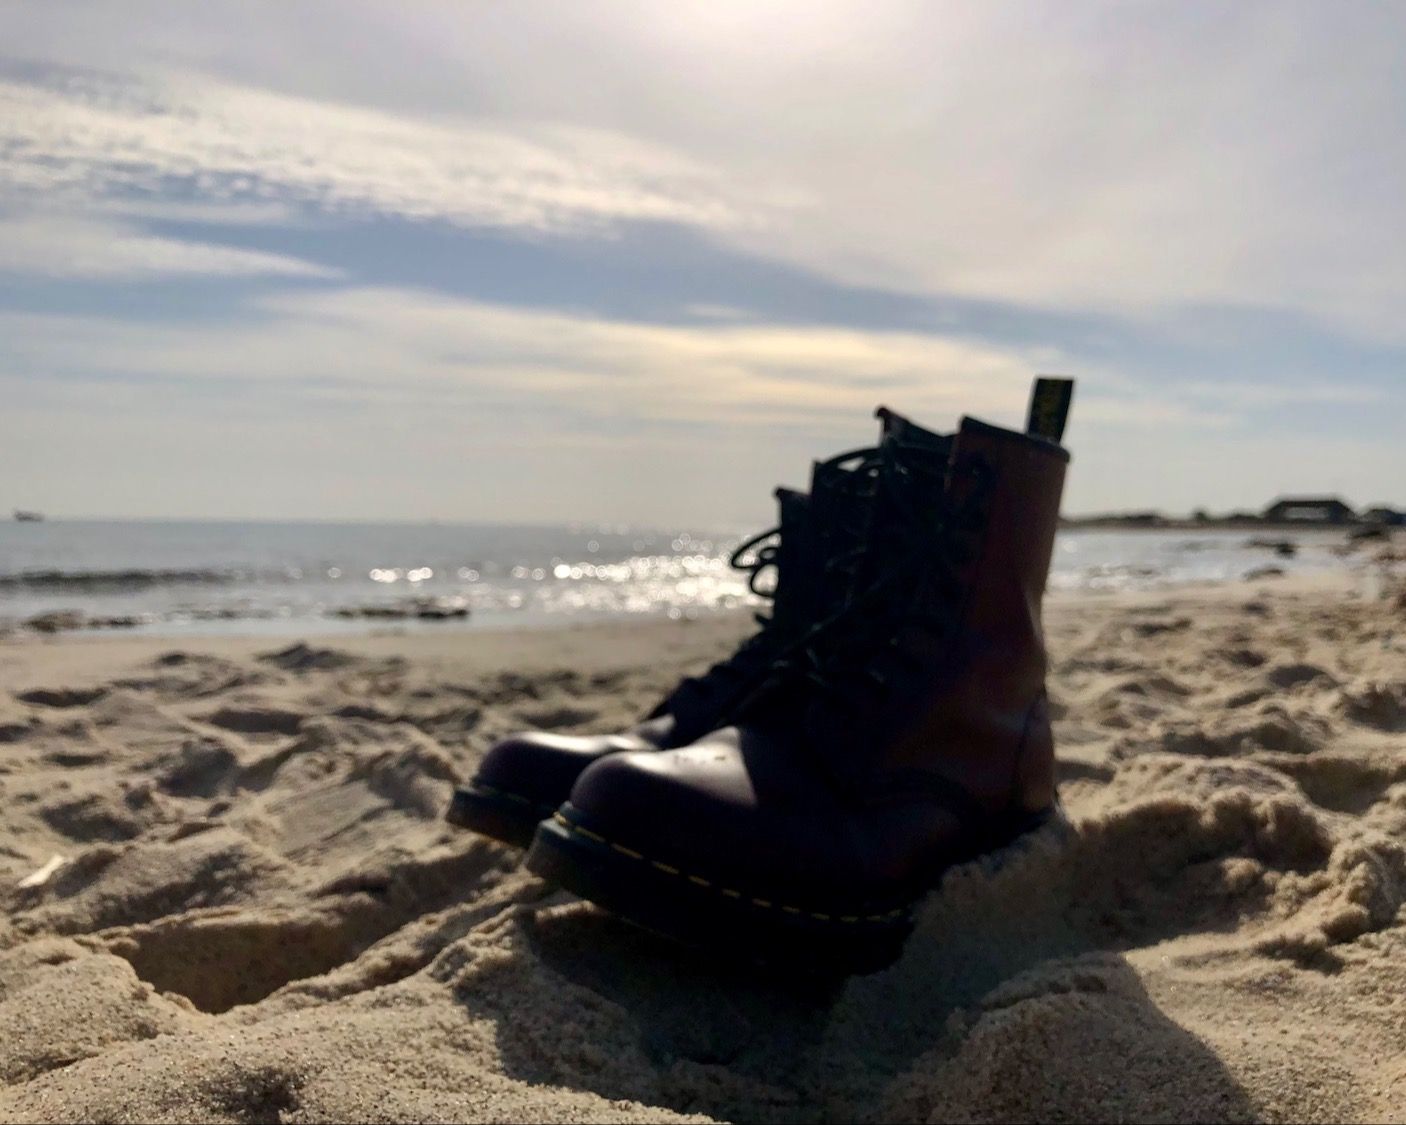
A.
x: 228, y: 896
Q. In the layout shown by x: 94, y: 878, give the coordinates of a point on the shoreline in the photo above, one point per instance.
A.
x: 1347, y: 571
x: 163, y: 603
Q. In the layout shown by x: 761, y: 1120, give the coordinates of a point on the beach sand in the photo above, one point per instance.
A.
x: 228, y: 894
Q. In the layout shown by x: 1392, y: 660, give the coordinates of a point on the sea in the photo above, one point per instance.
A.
x: 177, y: 577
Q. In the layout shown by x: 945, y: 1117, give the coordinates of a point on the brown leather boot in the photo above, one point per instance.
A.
x: 908, y: 734
x: 526, y: 777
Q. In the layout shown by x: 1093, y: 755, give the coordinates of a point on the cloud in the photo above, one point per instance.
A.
x: 265, y: 213
x: 89, y: 137
x: 378, y: 345
x: 366, y: 402
x: 1117, y: 159
x: 67, y: 247
x: 384, y: 346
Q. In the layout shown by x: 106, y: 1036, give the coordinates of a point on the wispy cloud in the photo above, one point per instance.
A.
x: 986, y: 152
x: 375, y: 344
x: 432, y: 404
x: 62, y: 246
x: 88, y: 137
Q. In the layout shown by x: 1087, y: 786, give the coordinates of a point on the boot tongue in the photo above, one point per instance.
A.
x: 796, y: 579
x: 840, y: 500
x: 906, y: 511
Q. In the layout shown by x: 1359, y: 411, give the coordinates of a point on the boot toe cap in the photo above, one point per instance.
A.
x: 540, y: 767
x: 702, y: 810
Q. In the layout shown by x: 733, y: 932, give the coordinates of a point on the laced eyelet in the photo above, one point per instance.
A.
x: 919, y: 586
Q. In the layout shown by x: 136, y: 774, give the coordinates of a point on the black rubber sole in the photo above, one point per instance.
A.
x: 750, y: 927
x: 727, y: 922
x: 504, y: 816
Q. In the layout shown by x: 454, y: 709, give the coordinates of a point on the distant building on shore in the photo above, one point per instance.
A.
x: 1309, y: 509
x: 1292, y: 511
x: 1388, y: 517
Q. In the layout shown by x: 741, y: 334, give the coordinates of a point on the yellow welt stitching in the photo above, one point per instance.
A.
x: 503, y: 793
x: 727, y: 892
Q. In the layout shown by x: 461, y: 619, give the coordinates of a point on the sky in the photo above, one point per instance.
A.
x: 636, y: 262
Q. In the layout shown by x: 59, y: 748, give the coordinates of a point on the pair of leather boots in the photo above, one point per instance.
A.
x: 886, y: 722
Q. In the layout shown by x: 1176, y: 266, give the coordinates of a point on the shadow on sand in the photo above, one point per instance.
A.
x: 1006, y: 1005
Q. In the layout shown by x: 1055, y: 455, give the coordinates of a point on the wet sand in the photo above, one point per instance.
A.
x: 228, y: 895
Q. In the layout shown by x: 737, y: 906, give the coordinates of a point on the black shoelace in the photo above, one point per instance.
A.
x: 921, y: 555
x: 765, y: 547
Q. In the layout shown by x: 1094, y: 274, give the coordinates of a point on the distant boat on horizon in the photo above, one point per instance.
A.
x: 28, y: 517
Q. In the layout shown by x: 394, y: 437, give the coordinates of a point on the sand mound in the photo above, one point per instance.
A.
x: 257, y: 915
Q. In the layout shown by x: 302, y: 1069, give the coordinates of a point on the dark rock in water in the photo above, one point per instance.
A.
x: 388, y: 612
x: 442, y: 612
x: 423, y: 609
x: 224, y: 613
x: 57, y: 622
x: 1284, y: 548
x: 66, y: 620
x: 115, y: 580
x: 124, y: 621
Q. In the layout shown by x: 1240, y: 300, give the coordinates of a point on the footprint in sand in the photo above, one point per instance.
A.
x: 221, y: 958
x: 104, y: 816
x: 139, y: 881
x: 555, y: 716
x: 1289, y: 676
x: 182, y: 675
x: 255, y: 718
x: 1381, y: 706
x: 62, y: 697
x: 1242, y: 657
x: 202, y: 767
x: 1345, y: 782
x: 305, y: 658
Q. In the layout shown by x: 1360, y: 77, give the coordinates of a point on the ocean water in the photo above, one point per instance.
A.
x: 183, y: 577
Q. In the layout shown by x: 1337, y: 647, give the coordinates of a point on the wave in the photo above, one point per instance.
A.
x: 118, y: 580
